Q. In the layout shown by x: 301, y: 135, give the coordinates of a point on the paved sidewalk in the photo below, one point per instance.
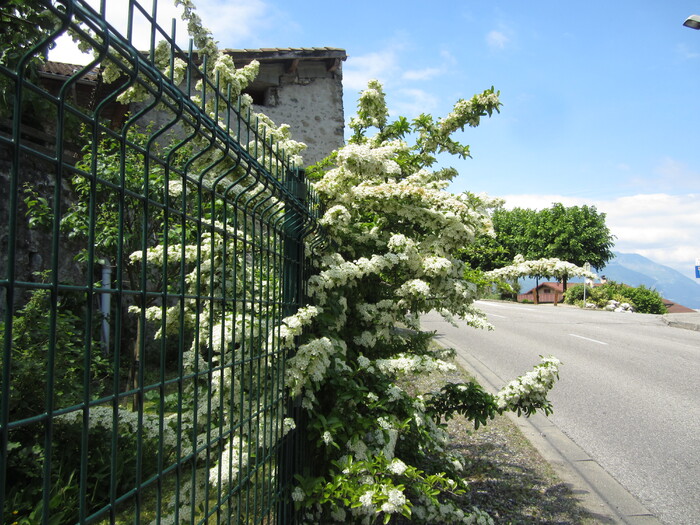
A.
x: 687, y: 321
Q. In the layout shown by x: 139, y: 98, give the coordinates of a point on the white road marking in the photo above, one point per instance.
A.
x: 496, y: 315
x: 496, y: 305
x: 588, y: 339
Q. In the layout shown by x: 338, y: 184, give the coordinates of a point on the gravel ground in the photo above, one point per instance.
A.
x: 508, y: 477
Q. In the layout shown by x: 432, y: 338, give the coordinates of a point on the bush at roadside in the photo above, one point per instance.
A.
x: 644, y: 300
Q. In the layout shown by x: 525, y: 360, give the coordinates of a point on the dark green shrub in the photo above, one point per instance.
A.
x: 646, y: 300
x: 65, y: 349
x: 643, y: 299
x: 574, y: 294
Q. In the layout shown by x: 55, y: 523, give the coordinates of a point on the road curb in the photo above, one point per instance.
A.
x: 601, y: 494
x: 685, y: 321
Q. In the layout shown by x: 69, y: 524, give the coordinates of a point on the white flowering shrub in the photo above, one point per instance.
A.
x: 393, y: 232
x: 548, y: 267
x: 195, y: 382
x: 528, y: 393
x: 394, y: 235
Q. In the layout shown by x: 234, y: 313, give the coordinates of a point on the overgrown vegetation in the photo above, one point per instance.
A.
x: 382, y: 451
x: 642, y: 299
x: 185, y: 223
x: 575, y: 234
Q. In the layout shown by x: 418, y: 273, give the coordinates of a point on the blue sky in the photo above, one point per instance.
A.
x: 599, y: 98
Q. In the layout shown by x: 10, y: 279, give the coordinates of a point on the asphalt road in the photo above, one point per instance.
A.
x: 628, y: 394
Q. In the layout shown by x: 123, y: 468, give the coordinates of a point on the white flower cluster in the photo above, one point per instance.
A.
x: 382, y: 313
x: 148, y: 425
x: 358, y: 164
x: 293, y: 325
x: 472, y: 315
x: 548, y: 267
x: 366, y: 339
x: 529, y: 392
x: 451, y: 220
x: 327, y: 437
x: 233, y: 459
x: 372, y: 110
x: 347, y: 272
x: 279, y: 136
x: 415, y: 288
x: 412, y: 364
x: 298, y: 494
x: 395, y: 501
x: 397, y: 467
x: 288, y: 424
x: 392, y: 500
x: 310, y: 363
x: 468, y: 112
x: 337, y: 215
x: 437, y: 266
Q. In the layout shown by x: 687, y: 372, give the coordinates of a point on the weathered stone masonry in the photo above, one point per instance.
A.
x: 301, y: 87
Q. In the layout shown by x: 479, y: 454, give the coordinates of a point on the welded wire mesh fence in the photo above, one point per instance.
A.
x: 148, y: 254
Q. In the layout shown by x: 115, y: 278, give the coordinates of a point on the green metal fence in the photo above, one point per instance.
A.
x: 148, y: 254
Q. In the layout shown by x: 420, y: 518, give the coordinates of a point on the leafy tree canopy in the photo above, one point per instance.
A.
x: 576, y: 234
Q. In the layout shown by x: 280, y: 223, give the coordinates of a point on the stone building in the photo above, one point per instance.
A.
x: 301, y: 87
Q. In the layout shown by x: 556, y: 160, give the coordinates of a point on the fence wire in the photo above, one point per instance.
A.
x: 148, y: 254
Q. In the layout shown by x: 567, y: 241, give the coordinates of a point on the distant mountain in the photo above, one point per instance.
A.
x: 636, y: 270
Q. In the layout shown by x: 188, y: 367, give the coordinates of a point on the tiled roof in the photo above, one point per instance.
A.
x: 272, y: 53
x: 290, y: 57
x: 675, y: 308
x: 333, y: 56
x: 559, y: 287
x: 59, y: 69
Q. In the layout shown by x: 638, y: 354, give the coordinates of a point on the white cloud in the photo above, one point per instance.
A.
x: 384, y: 65
x: 380, y: 65
x: 232, y: 23
x: 497, y: 39
x: 412, y: 102
x: 660, y: 226
x: 236, y: 23
x: 423, y: 74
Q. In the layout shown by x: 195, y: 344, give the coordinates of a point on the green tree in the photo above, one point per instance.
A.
x: 24, y: 27
x: 577, y: 234
x: 514, y: 234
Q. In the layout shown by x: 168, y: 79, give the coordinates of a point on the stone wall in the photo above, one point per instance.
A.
x: 302, y: 88
x: 33, y: 247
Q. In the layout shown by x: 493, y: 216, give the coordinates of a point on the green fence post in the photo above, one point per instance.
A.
x: 290, y: 452
x: 294, y: 246
x: 206, y: 235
